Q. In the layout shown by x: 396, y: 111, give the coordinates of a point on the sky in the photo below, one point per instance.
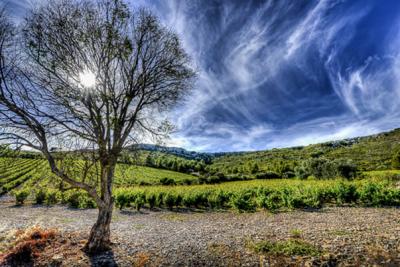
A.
x: 281, y: 73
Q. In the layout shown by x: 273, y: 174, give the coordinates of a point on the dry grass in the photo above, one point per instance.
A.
x: 141, y: 259
x: 27, y: 246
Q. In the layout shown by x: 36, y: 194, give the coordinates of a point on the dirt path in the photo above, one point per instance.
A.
x: 345, y: 235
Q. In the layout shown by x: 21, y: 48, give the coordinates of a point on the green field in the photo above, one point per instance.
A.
x: 264, y: 194
x: 238, y: 181
x: 17, y: 173
x: 138, y: 186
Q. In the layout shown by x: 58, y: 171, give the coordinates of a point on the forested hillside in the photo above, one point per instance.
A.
x: 375, y: 152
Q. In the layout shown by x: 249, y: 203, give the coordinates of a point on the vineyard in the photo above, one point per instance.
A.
x: 138, y: 187
x: 19, y: 174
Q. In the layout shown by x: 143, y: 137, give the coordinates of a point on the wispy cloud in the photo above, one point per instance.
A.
x: 294, y: 70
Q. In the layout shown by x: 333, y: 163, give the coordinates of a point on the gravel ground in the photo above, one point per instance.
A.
x: 347, y: 235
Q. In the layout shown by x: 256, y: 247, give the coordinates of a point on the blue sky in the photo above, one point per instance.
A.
x: 282, y: 73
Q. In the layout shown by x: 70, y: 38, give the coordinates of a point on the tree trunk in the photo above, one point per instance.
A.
x: 99, y: 239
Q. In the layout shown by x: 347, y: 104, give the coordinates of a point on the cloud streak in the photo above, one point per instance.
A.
x: 275, y: 74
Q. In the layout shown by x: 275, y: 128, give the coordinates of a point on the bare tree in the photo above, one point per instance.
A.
x: 95, y: 74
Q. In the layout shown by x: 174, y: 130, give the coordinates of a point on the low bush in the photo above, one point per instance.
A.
x: 159, y: 199
x: 151, y: 199
x: 243, y: 201
x: 51, y: 197
x: 20, y: 196
x: 345, y: 169
x: 213, y: 179
x: 345, y: 193
x: 139, y: 200
x: 323, y: 168
x: 169, y: 200
x: 121, y: 199
x: 274, y: 201
x: 78, y: 199
x: 378, y: 194
x: 144, y: 183
x: 187, y: 181
x: 291, y: 247
x: 40, y: 196
x: 267, y: 175
x: 189, y: 200
x: 167, y: 181
x: 217, y: 199
x: 288, y: 175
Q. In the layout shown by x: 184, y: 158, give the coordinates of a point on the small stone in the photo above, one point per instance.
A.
x: 56, y: 260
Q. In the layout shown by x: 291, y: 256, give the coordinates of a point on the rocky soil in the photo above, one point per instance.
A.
x: 347, y: 236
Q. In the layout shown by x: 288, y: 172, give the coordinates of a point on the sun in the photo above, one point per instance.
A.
x: 87, y: 78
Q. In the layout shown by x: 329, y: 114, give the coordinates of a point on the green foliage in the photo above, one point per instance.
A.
x: 139, y: 200
x: 345, y: 193
x: 170, y: 200
x: 51, y: 197
x: 167, y: 181
x: 166, y: 161
x: 378, y: 194
x: 323, y: 168
x: 151, y: 199
x: 272, y: 195
x: 20, y: 196
x: 213, y: 179
x: 254, y: 168
x: 291, y: 247
x: 345, y: 169
x: 296, y: 233
x: 217, y: 199
x: 191, y: 200
x: 79, y: 199
x: 40, y: 196
x: 274, y: 201
x: 243, y: 201
x: 122, y: 199
x: 395, y: 163
x: 367, y: 153
x: 126, y: 175
x: 267, y: 175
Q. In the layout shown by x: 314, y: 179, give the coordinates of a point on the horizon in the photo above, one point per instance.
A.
x: 273, y: 75
x: 248, y: 151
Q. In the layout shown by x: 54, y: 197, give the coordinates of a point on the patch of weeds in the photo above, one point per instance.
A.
x: 116, y: 218
x: 138, y: 226
x: 174, y: 217
x: 67, y: 220
x: 296, y: 233
x: 291, y: 247
x: 338, y: 232
x: 217, y: 249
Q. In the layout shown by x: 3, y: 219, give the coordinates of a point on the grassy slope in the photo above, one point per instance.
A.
x: 369, y: 153
x: 126, y: 175
x: 29, y: 172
